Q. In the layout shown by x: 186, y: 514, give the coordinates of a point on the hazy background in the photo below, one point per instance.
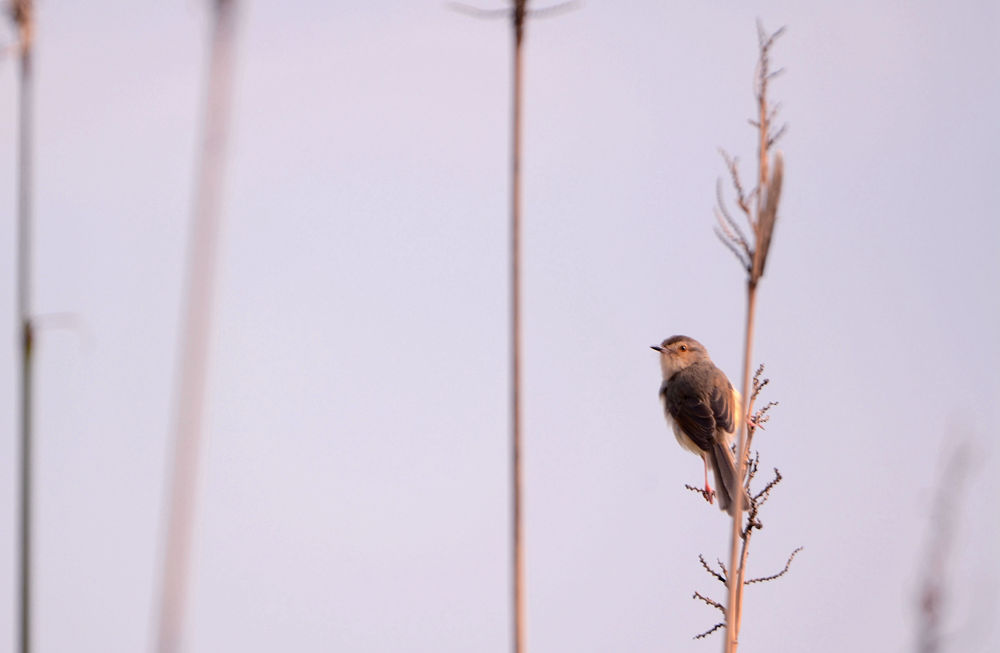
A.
x: 354, y: 492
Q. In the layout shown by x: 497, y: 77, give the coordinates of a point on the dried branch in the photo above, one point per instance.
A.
x: 752, y: 522
x: 700, y: 490
x: 757, y: 501
x: 710, y: 630
x: 737, y: 233
x: 753, y: 462
x: 733, y: 248
x: 788, y: 563
x: 715, y: 604
x: 730, y: 233
x: 766, y: 41
x: 761, y: 497
x: 764, y: 72
x: 776, y: 73
x: 722, y: 566
x: 755, y: 420
x: 763, y: 200
x: 760, y: 418
x: 720, y: 577
x: 777, y: 135
x: 732, y: 164
x: 759, y: 383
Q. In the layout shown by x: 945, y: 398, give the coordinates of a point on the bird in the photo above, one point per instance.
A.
x: 701, y: 408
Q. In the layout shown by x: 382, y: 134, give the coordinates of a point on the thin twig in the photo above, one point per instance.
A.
x: 761, y: 417
x: 765, y: 44
x: 732, y: 163
x: 710, y: 630
x: 737, y: 233
x: 761, y: 497
x: 728, y: 226
x: 777, y: 136
x: 728, y: 241
x: 715, y: 604
x: 788, y: 563
x: 722, y: 566
x: 758, y: 382
x: 699, y: 490
x: 712, y: 572
x: 752, y: 464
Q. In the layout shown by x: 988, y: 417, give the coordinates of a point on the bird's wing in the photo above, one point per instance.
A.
x: 722, y: 401
x: 692, y: 412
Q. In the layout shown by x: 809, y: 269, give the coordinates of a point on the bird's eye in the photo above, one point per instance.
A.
x: 684, y: 347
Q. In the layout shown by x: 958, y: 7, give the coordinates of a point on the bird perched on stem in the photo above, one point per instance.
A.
x: 701, y: 407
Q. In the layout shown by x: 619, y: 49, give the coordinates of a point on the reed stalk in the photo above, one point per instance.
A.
x: 196, y: 325
x: 22, y: 14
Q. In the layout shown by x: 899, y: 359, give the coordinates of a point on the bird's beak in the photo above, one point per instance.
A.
x: 657, y: 348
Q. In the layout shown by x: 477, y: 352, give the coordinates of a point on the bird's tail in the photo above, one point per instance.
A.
x: 727, y: 479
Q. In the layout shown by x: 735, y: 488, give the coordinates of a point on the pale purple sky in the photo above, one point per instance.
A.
x: 354, y: 494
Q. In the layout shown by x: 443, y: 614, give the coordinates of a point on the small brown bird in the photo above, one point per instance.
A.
x: 701, y: 407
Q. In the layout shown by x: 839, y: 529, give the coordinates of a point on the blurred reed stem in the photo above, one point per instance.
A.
x: 21, y: 12
x: 196, y: 326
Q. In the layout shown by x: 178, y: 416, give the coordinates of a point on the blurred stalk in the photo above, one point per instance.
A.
x: 945, y: 511
x: 520, y: 9
x: 22, y: 15
x: 200, y: 284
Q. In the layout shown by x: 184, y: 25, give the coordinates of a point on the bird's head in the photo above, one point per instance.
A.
x: 678, y: 352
